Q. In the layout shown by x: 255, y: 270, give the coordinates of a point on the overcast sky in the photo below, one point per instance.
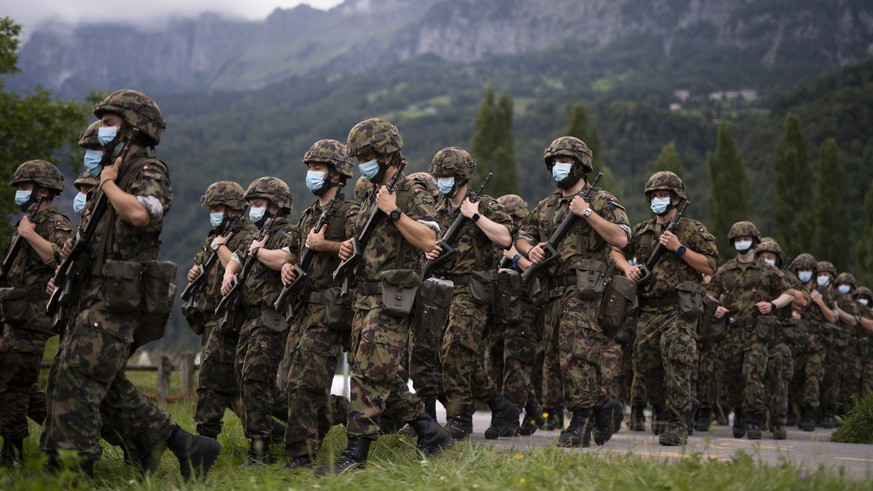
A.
x: 30, y: 13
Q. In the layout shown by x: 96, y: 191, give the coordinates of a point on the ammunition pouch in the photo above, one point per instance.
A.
x: 158, y: 295
x: 123, y: 286
x: 690, y: 300
x: 482, y: 286
x: 193, y: 316
x: 153, y: 326
x: 433, y: 308
x: 714, y: 330
x: 590, y: 278
x: 710, y: 305
x: 271, y: 318
x: 507, y: 297
x: 14, y: 307
x: 617, y: 299
x: 628, y: 330
x: 399, y: 289
x: 767, y: 328
x: 338, y: 310
x: 795, y: 332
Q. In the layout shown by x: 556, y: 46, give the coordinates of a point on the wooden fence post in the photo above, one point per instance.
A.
x: 165, y: 370
x: 187, y: 366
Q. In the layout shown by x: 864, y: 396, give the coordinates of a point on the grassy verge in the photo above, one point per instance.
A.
x: 857, y: 427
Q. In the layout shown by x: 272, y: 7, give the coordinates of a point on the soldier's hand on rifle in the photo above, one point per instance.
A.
x: 669, y: 241
x: 315, y: 240
x: 434, y: 253
x: 193, y: 273
x: 635, y: 273
x: 346, y: 250
x: 536, y: 253
x: 67, y: 249
x: 221, y: 239
x: 720, y: 312
x: 288, y: 274
x: 385, y: 200
x: 468, y: 208
x: 26, y: 228
x: 50, y: 287
x: 578, y: 206
x: 258, y: 243
x: 227, y: 283
x: 110, y: 172
x: 816, y: 296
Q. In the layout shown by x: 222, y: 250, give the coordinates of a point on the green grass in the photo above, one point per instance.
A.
x: 857, y: 426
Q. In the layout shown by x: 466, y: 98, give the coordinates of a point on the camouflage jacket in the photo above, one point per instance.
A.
x: 796, y: 285
x: 261, y: 280
x: 582, y: 242
x: 845, y: 302
x: 475, y: 251
x: 739, y: 286
x: 339, y: 228
x: 210, y: 294
x: 813, y: 312
x: 671, y: 270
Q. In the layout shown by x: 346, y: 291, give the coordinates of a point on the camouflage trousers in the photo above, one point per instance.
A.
x: 87, y: 378
x: 867, y: 377
x: 745, y: 366
x: 709, y: 373
x: 217, y: 389
x: 511, y: 357
x: 425, y: 368
x: 830, y: 389
x: 780, y: 370
x: 258, y: 353
x: 850, y: 375
x: 19, y: 394
x: 464, y: 377
x: 612, y: 369
x: 379, y: 346
x: 809, y: 367
x: 549, y: 367
x: 312, y: 351
x: 665, y: 354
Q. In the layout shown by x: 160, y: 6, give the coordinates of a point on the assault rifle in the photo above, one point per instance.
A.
x: 450, y: 238
x: 16, y: 246
x: 75, y: 267
x: 196, y: 286
x: 231, y: 301
x: 550, y: 248
x: 349, y: 268
x: 291, y: 293
x: 659, y: 250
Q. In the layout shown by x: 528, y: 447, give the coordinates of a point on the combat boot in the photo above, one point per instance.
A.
x: 690, y: 415
x: 778, y: 431
x: 432, y: 437
x: 277, y: 434
x: 504, y: 418
x: 659, y: 417
x: 430, y: 406
x: 553, y: 419
x: 354, y: 457
x: 807, y: 422
x: 12, y: 452
x: 460, y: 426
x: 196, y: 454
x: 828, y: 421
x: 578, y: 432
x: 753, y: 426
x: 616, y: 424
x: 739, y: 427
x: 675, y: 432
x: 259, y: 452
x: 604, y: 418
x: 703, y: 419
x: 637, y: 418
x: 532, y: 414
x: 300, y: 462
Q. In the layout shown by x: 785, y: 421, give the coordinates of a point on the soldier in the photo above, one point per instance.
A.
x: 809, y: 361
x: 85, y: 183
x: 486, y: 223
x: 864, y: 299
x: 40, y: 235
x: 665, y: 350
x: 261, y: 341
x: 780, y: 363
x: 848, y: 316
x: 217, y: 389
x: 93, y: 353
x: 570, y: 318
x: 750, y: 291
x: 362, y: 187
x: 380, y: 333
x: 836, y: 343
x: 313, y: 346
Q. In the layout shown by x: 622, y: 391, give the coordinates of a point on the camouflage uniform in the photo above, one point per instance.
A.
x: 852, y: 365
x: 865, y: 340
x: 809, y: 359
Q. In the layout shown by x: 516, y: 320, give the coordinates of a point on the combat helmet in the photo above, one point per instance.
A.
x: 138, y: 110
x: 744, y: 228
x: 332, y: 153
x: 362, y: 187
x: 428, y: 180
x: 805, y: 261
x: 514, y: 205
x: 88, y: 138
x: 227, y: 193
x: 863, y: 291
x: 86, y: 179
x: 826, y: 267
x: 43, y: 173
x: 453, y: 162
x: 665, y: 181
x: 375, y: 133
x: 846, y: 278
x: 569, y: 146
x: 272, y: 189
x: 769, y: 244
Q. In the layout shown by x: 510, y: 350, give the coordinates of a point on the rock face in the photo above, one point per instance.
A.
x: 209, y: 52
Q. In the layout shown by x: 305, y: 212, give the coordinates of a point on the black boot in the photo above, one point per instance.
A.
x: 638, y: 418
x: 778, y: 431
x: 430, y: 406
x: 604, y: 418
x: 828, y: 421
x: 619, y: 417
x: 753, y: 426
x: 459, y: 426
x: 533, y: 412
x: 432, y: 437
x: 659, y: 417
x: 578, y: 432
x: 553, y: 419
x: 12, y: 452
x: 703, y: 419
x: 196, y: 454
x: 277, y: 435
x: 675, y: 432
x: 354, y: 456
x: 300, y: 462
x: 739, y: 427
x: 504, y: 418
x: 808, y: 421
x: 259, y: 452
x: 690, y: 415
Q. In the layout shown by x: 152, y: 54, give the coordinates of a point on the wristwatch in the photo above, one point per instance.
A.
x: 216, y: 247
x: 395, y: 214
x: 681, y: 250
x: 476, y: 216
x: 586, y: 213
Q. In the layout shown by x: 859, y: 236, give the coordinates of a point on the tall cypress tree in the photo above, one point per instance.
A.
x: 493, y: 145
x: 864, y: 271
x: 578, y: 127
x: 792, y: 179
x: 729, y: 188
x: 668, y: 160
x: 832, y: 240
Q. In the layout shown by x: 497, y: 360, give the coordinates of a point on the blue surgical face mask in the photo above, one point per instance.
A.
x: 256, y: 214
x: 804, y: 276
x: 823, y: 280
x: 743, y: 246
x: 446, y: 184
x: 561, y: 170
x: 771, y: 262
x: 216, y: 218
x: 369, y: 169
x: 314, y: 180
x: 659, y: 205
x: 106, y: 134
x: 844, y: 288
x: 863, y: 301
x: 92, y: 161
x: 79, y: 203
x: 22, y: 197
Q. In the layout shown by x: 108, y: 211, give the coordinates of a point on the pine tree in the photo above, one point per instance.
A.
x: 729, y: 188
x: 832, y: 239
x: 493, y: 145
x: 792, y: 179
x: 668, y: 160
x: 864, y: 271
x: 578, y: 127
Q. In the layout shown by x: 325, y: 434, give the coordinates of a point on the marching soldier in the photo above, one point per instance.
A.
x: 848, y: 319
x: 864, y: 298
x: 836, y: 343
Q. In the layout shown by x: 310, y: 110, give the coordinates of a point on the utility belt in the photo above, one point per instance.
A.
x: 747, y: 323
x: 563, y: 280
x: 458, y: 279
x: 313, y: 297
x: 657, y: 302
x: 369, y: 287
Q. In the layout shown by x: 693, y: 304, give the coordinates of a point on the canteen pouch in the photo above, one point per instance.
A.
x: 399, y: 289
x: 153, y: 326
x: 156, y: 279
x: 193, y: 316
x: 618, y: 298
x: 767, y: 327
x: 123, y: 286
x: 270, y: 317
x: 338, y: 311
x: 590, y: 278
x: 433, y: 307
x: 710, y: 305
x: 14, y: 308
x: 482, y: 286
x: 690, y: 300
x: 795, y: 332
x: 507, y: 297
